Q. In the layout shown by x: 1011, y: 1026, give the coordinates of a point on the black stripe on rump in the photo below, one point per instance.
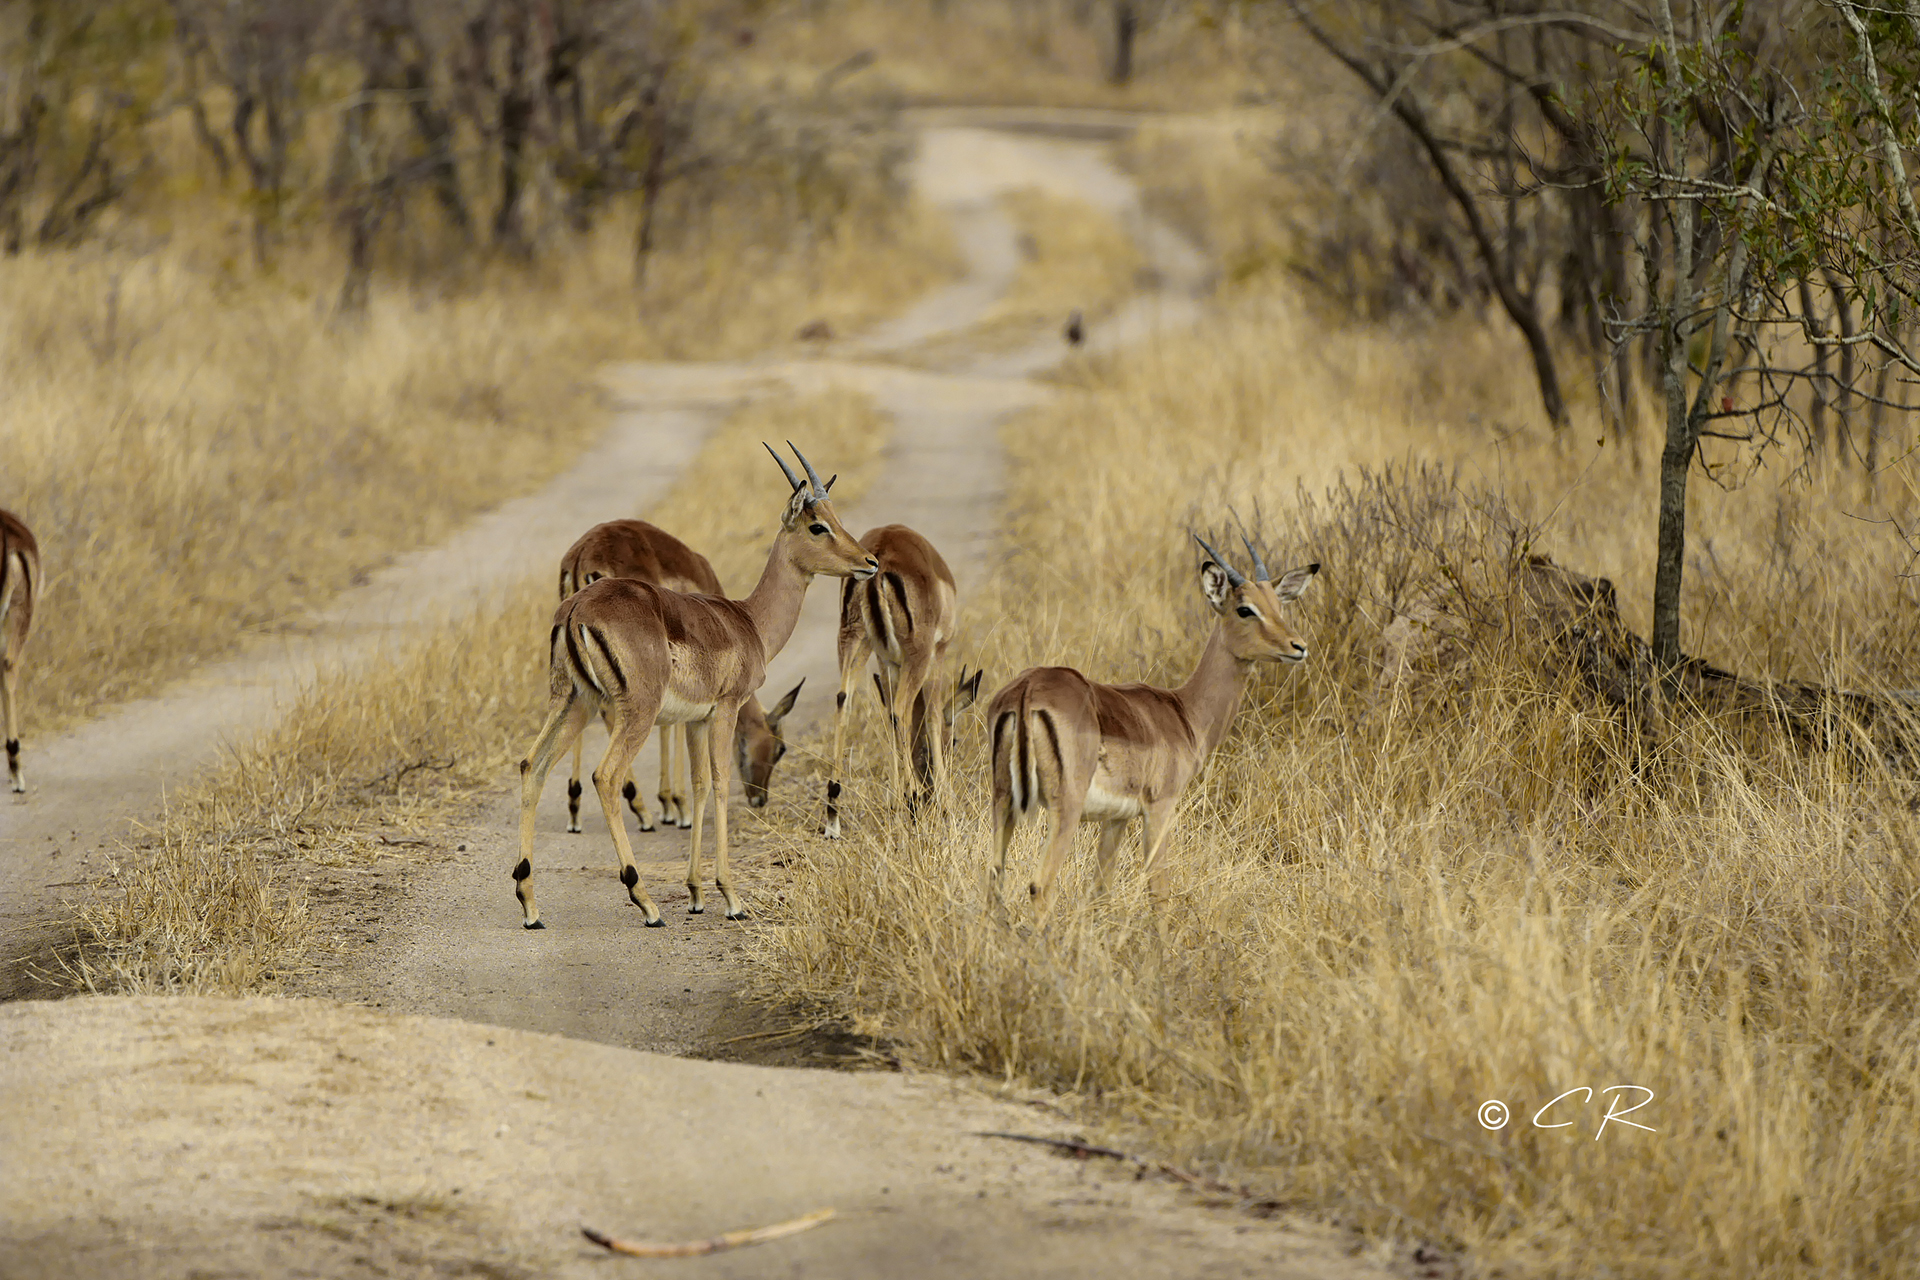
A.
x: 577, y: 668
x: 999, y: 731
x: 900, y: 591
x: 1053, y: 736
x: 613, y: 668
x: 877, y: 613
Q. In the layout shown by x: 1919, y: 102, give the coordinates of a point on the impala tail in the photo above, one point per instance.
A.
x: 580, y: 658
x: 1026, y: 749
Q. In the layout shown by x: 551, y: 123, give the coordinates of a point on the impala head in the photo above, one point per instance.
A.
x: 1249, y: 608
x: 817, y: 542
x: 759, y: 744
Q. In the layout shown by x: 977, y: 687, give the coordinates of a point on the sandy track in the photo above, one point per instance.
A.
x: 189, y: 1137
x: 271, y: 1139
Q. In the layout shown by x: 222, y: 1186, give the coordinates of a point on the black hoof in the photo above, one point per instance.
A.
x: 657, y: 924
x: 696, y: 911
x: 736, y: 915
x: 537, y: 924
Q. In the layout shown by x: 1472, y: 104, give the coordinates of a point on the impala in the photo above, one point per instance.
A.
x: 636, y: 549
x: 19, y: 579
x: 1108, y: 754
x: 905, y: 616
x: 645, y: 655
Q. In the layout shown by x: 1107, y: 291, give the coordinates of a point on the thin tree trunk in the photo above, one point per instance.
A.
x: 516, y: 121
x: 1126, y: 27
x: 1676, y: 459
x: 1817, y: 417
x: 1843, y: 394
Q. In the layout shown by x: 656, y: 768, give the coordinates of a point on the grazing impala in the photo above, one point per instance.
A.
x: 636, y: 549
x: 1111, y: 753
x: 905, y: 616
x: 648, y: 656
x: 19, y: 580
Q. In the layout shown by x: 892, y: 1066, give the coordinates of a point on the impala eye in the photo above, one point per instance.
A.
x: 817, y: 530
x: 1245, y: 611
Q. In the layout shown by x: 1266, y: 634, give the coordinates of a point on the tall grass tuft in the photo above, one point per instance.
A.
x: 1387, y: 909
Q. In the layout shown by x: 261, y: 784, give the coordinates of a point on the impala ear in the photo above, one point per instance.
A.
x: 964, y: 692
x: 830, y: 480
x: 1293, y: 582
x: 1215, y: 585
x: 796, y: 508
x: 782, y: 707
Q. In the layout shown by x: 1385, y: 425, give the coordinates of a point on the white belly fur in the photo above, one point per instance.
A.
x: 675, y: 710
x: 1105, y: 806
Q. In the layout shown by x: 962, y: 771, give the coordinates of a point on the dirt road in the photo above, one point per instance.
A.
x: 307, y: 1136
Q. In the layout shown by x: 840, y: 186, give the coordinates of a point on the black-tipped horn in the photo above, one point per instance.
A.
x: 785, y: 470
x: 819, y: 490
x: 1234, y: 576
x: 1259, y: 565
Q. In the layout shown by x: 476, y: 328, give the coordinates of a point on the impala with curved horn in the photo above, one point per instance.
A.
x: 905, y: 616
x: 19, y: 580
x: 1107, y: 754
x: 648, y: 656
x: 636, y: 549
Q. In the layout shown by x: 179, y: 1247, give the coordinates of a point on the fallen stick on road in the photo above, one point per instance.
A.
x: 713, y: 1244
x: 1083, y: 1150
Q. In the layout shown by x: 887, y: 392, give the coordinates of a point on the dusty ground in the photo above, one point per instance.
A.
x: 303, y: 1138
x: 313, y: 1137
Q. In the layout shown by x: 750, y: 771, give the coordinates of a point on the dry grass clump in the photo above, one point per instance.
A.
x: 204, y: 456
x: 1385, y: 913
x: 388, y: 749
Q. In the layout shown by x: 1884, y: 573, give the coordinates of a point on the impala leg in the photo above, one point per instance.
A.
x: 935, y: 712
x: 853, y: 649
x: 837, y: 766
x: 9, y: 695
x: 1005, y: 822
x: 566, y: 717
x: 630, y: 728
x: 1110, y: 833
x: 908, y: 707
x: 721, y: 759
x: 681, y: 735
x: 573, y: 785
x: 887, y: 680
x: 1006, y: 818
x: 666, y: 775
x: 1153, y: 837
x: 700, y: 757
x: 1065, y: 820
x: 631, y: 793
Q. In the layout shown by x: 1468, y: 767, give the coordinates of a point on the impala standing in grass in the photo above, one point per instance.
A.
x: 19, y: 580
x: 904, y: 615
x: 1105, y: 753
x: 647, y: 656
x: 636, y: 549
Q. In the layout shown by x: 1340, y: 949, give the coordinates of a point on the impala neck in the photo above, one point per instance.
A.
x: 774, y: 603
x: 1212, y: 692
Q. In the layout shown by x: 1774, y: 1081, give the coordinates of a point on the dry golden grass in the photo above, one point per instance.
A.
x: 969, y: 52
x: 209, y: 903
x: 204, y: 456
x: 1383, y: 916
